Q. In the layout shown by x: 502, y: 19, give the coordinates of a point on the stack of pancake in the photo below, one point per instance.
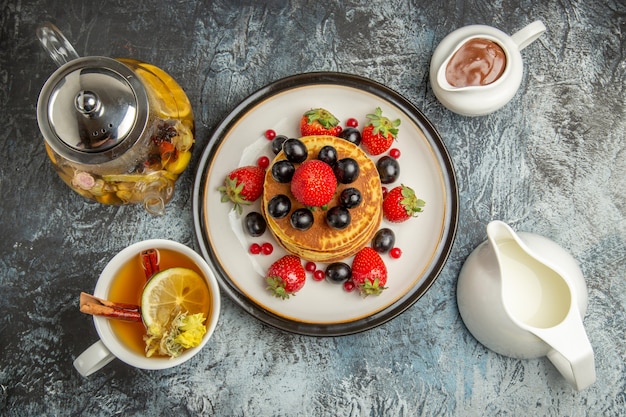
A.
x: 321, y: 243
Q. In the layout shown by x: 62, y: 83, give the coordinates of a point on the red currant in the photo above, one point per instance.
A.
x: 267, y: 248
x: 395, y: 253
x: 349, y: 286
x: 270, y: 134
x: 352, y: 122
x: 310, y: 266
x: 319, y: 275
x: 255, y: 249
x: 263, y: 162
x: 394, y: 153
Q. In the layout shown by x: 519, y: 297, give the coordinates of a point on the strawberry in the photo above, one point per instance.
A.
x: 400, y: 204
x: 243, y: 186
x: 313, y: 183
x: 285, y: 276
x: 369, y: 272
x: 380, y: 132
x: 319, y: 122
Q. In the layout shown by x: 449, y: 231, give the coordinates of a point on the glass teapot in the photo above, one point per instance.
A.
x: 118, y: 131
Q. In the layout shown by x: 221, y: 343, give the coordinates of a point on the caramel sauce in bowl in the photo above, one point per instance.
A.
x: 478, y: 69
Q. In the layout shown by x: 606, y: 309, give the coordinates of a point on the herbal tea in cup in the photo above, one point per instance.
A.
x: 155, y: 306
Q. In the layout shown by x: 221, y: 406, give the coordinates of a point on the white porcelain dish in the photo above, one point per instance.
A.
x: 321, y: 308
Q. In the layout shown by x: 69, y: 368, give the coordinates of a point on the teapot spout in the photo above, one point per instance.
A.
x: 154, y: 204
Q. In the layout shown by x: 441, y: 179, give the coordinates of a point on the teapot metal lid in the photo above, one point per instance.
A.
x: 92, y: 110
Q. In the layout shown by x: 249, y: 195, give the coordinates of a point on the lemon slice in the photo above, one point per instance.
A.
x: 170, y: 292
x: 180, y: 164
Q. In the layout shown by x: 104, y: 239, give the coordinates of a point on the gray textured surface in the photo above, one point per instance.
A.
x: 552, y: 162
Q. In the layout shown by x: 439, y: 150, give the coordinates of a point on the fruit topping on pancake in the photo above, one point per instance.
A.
x: 323, y: 201
x: 332, y: 204
x: 314, y: 183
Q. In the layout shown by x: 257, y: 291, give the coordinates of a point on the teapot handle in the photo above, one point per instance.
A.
x: 57, y: 46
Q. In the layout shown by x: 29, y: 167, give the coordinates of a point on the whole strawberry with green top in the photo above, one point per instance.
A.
x: 314, y: 183
x: 319, y: 122
x: 369, y: 272
x: 401, y: 204
x: 285, y: 276
x: 242, y: 186
x: 379, y: 133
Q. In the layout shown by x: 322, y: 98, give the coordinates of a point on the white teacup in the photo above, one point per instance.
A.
x: 110, y: 346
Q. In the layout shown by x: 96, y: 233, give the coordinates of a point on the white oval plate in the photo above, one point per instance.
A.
x: 322, y: 308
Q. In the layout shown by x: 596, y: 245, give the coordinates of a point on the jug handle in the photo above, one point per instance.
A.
x: 527, y: 35
x: 585, y: 374
x: 572, y: 358
x: 57, y: 46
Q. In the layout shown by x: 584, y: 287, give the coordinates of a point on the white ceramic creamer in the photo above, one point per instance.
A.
x: 522, y: 295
